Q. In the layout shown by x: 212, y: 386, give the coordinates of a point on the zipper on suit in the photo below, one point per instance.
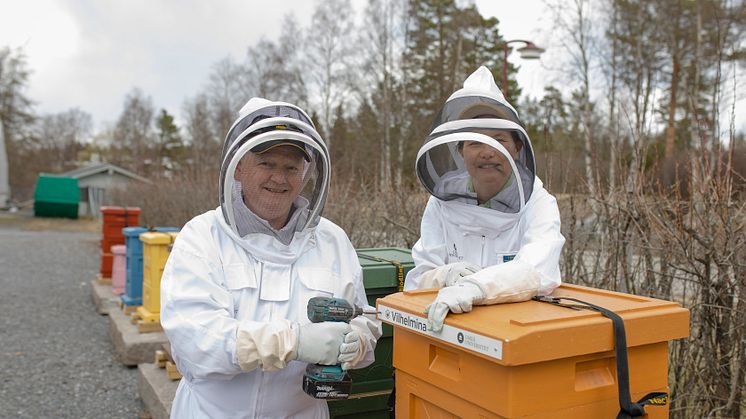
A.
x: 481, y: 259
x: 258, y: 405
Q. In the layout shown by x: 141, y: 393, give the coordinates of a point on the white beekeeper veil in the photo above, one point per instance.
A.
x: 275, y: 166
x: 478, y: 151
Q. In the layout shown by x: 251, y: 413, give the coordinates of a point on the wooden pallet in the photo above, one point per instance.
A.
x: 102, y: 281
x: 127, y: 309
x: 163, y: 359
x: 145, y: 326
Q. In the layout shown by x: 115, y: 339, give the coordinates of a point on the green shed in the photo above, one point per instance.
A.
x: 56, y: 196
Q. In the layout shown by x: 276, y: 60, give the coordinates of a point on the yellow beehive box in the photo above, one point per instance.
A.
x: 156, y: 249
x: 529, y: 359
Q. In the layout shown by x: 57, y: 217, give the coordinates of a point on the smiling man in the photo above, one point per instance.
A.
x: 236, y: 285
x: 490, y: 232
x: 271, y: 178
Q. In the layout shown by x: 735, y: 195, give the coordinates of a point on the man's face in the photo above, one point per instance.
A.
x: 271, y: 181
x: 489, y: 168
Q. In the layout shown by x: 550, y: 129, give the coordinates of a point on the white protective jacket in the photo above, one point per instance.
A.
x: 514, y: 239
x: 454, y: 231
x: 234, y: 294
x: 215, y: 284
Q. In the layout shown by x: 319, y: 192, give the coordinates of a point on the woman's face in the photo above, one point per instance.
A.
x: 489, y: 168
x: 505, y: 138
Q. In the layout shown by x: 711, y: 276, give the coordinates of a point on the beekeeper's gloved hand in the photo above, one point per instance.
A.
x: 352, y: 350
x: 458, y: 298
x: 319, y: 343
x: 447, y: 275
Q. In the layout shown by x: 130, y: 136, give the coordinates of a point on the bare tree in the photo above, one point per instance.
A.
x: 62, y: 136
x: 15, y: 113
x: 640, y: 68
x: 291, y: 77
x: 328, y: 58
x: 226, y: 93
x: 382, y: 33
x: 16, y: 109
x: 577, y: 33
x: 133, y: 133
x: 274, y: 70
x: 612, y: 71
x: 203, y: 141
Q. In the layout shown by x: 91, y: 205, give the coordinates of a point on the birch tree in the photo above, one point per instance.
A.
x: 328, y: 57
x: 575, y: 23
x: 382, y: 34
x: 274, y: 69
x: 133, y: 132
x: 16, y: 113
x: 203, y: 140
x: 226, y: 93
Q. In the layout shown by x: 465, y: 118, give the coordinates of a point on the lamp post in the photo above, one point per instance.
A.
x: 528, y: 52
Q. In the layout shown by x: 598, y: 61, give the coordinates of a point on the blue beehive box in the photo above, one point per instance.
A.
x: 133, y: 280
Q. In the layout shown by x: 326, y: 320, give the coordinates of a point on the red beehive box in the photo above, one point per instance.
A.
x: 114, y: 220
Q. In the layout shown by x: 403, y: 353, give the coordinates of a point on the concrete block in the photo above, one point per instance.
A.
x: 130, y: 346
x: 103, y: 298
x: 156, y: 390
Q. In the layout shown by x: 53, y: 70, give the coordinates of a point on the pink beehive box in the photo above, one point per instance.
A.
x: 119, y: 269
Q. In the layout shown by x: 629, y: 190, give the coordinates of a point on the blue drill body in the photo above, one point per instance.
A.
x: 329, y: 381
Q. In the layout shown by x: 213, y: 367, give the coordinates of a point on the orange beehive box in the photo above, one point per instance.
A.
x: 114, y: 219
x: 529, y: 359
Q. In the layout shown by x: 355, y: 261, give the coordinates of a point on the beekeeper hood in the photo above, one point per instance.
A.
x: 478, y: 151
x: 275, y: 168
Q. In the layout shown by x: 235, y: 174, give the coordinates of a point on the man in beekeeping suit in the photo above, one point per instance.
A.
x: 490, y: 232
x: 236, y: 285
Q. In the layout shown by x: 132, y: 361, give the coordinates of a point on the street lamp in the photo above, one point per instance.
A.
x: 528, y: 52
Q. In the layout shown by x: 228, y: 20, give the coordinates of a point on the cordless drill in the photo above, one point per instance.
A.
x: 329, y: 381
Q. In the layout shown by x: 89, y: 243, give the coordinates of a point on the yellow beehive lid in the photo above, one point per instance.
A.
x: 533, y: 331
x: 156, y: 237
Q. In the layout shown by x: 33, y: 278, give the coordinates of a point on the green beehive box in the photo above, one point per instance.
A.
x: 374, y: 406
x: 371, y: 386
x: 56, y: 196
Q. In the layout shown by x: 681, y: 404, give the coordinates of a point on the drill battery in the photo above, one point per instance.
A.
x: 327, y: 382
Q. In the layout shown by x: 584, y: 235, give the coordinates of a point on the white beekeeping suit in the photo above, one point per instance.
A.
x: 235, y: 288
x: 490, y: 232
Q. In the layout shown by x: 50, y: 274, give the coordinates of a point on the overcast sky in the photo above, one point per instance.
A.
x: 89, y: 54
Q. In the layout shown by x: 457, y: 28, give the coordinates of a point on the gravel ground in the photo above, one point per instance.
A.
x: 56, y: 357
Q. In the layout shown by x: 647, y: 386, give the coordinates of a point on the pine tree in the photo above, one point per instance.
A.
x: 170, y: 148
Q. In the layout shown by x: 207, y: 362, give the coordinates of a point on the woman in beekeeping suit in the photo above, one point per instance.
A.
x: 490, y: 232
x: 236, y: 285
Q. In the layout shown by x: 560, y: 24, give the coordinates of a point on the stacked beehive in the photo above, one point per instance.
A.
x: 114, y: 220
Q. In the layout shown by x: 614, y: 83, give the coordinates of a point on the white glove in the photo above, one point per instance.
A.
x: 319, y: 343
x: 446, y: 275
x: 458, y: 299
x: 352, y: 350
x: 509, y: 282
